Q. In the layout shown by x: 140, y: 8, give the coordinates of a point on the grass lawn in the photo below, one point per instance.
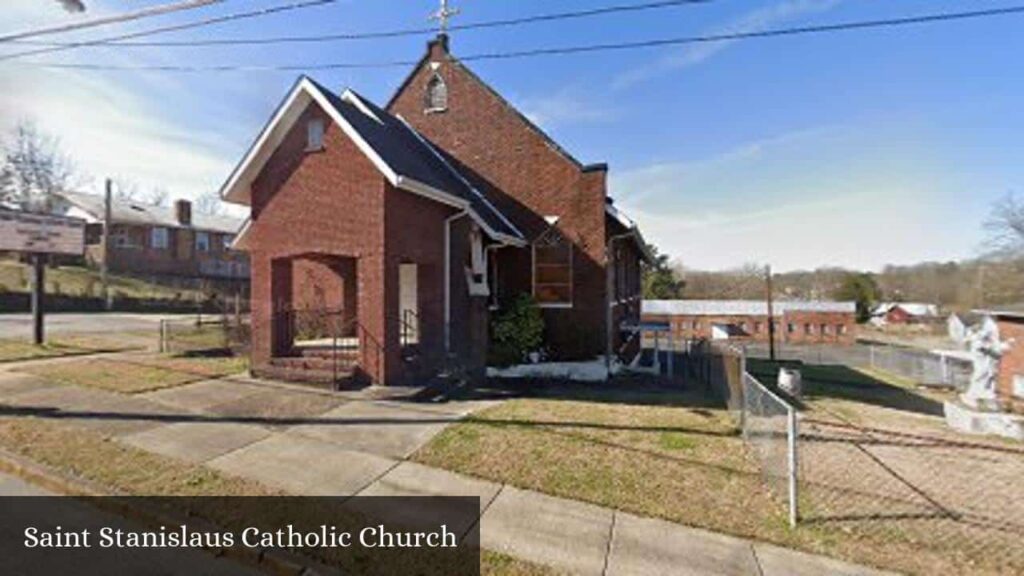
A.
x: 659, y: 453
x: 133, y: 374
x: 15, y: 349
x: 667, y: 454
x: 126, y: 470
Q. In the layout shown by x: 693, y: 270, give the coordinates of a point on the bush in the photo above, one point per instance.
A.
x: 516, y: 331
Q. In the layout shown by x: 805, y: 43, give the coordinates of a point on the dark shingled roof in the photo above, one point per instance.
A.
x: 412, y: 156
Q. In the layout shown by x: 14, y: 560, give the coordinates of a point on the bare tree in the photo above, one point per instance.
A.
x: 33, y: 169
x: 157, y: 196
x: 126, y: 189
x: 209, y: 204
x: 1005, y: 227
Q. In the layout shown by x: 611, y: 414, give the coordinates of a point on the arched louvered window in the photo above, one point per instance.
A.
x: 436, y: 97
x: 552, y: 270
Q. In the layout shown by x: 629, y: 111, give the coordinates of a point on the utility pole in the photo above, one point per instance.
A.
x: 771, y: 316
x: 104, y: 266
x: 38, y: 296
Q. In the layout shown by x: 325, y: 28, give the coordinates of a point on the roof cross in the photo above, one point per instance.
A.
x: 443, y: 15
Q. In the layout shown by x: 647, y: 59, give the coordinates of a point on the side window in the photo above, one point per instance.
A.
x: 202, y: 242
x: 158, y: 239
x: 315, y: 135
x: 552, y: 270
x: 436, y: 97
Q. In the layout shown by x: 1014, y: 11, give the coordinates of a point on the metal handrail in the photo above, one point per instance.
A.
x: 410, y: 324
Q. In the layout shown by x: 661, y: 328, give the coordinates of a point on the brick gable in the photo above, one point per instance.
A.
x: 528, y: 177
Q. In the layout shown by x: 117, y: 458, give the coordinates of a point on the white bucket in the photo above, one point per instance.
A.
x: 790, y: 382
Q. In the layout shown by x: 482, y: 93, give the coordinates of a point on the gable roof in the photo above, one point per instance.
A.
x: 442, y: 40
x: 919, y: 309
x: 139, y: 214
x: 403, y: 156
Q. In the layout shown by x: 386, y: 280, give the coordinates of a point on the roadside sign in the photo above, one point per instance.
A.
x: 41, y: 233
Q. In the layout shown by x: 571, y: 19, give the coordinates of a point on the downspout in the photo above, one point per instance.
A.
x: 609, y: 286
x: 448, y: 279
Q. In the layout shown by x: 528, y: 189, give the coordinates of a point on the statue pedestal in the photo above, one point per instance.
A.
x: 974, y: 421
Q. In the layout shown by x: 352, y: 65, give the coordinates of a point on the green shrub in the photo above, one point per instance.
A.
x: 516, y: 331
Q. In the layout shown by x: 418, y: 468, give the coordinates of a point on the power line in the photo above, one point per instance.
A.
x: 535, y: 52
x: 60, y: 47
x: 114, y: 19
x: 621, y: 8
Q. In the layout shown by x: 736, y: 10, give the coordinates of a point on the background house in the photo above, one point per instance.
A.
x: 898, y: 313
x: 807, y: 322
x: 155, y: 241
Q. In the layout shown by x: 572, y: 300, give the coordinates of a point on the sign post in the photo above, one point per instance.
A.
x: 39, y: 235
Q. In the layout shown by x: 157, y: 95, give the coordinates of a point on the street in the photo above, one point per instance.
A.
x: 20, y: 325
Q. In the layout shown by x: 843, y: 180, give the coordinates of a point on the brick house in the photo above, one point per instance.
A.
x: 158, y: 241
x: 410, y: 225
x: 1010, y: 382
x: 747, y: 320
x: 900, y: 313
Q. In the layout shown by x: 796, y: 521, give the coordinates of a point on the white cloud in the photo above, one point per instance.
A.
x: 566, y: 106
x: 822, y: 196
x: 754, y: 21
x: 110, y: 130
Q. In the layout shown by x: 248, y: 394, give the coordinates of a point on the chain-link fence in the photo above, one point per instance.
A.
x: 205, y: 335
x: 891, y: 479
x: 933, y: 492
x: 922, y: 367
x: 768, y: 423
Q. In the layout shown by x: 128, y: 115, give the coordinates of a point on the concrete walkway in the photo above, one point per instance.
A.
x: 310, y: 443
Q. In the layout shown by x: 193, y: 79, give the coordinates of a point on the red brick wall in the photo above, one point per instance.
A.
x: 415, y: 235
x: 179, y: 258
x: 528, y: 179
x: 329, y: 202
x: 1012, y: 363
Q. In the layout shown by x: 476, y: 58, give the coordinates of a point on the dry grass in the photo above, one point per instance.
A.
x: 133, y: 374
x: 18, y: 349
x: 663, y: 455
x: 117, y: 467
x: 674, y: 458
x: 126, y: 470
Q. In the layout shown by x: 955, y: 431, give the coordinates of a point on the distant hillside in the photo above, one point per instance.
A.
x: 954, y: 285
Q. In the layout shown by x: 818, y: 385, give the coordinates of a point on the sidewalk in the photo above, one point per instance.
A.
x: 309, y: 443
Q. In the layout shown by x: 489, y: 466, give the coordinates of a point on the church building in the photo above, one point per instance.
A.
x: 383, y: 240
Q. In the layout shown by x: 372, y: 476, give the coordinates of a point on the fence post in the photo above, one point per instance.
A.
x: 791, y: 439
x: 163, y: 336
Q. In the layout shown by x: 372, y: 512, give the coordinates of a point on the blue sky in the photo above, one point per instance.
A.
x: 855, y: 149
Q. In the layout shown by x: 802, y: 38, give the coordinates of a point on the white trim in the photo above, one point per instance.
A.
x: 238, y: 242
x: 427, y: 191
x: 354, y: 99
x: 556, y: 306
x: 228, y: 190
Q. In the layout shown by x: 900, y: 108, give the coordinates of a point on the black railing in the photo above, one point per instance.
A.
x: 410, y: 328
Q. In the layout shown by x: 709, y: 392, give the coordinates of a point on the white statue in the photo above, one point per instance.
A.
x: 986, y: 350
